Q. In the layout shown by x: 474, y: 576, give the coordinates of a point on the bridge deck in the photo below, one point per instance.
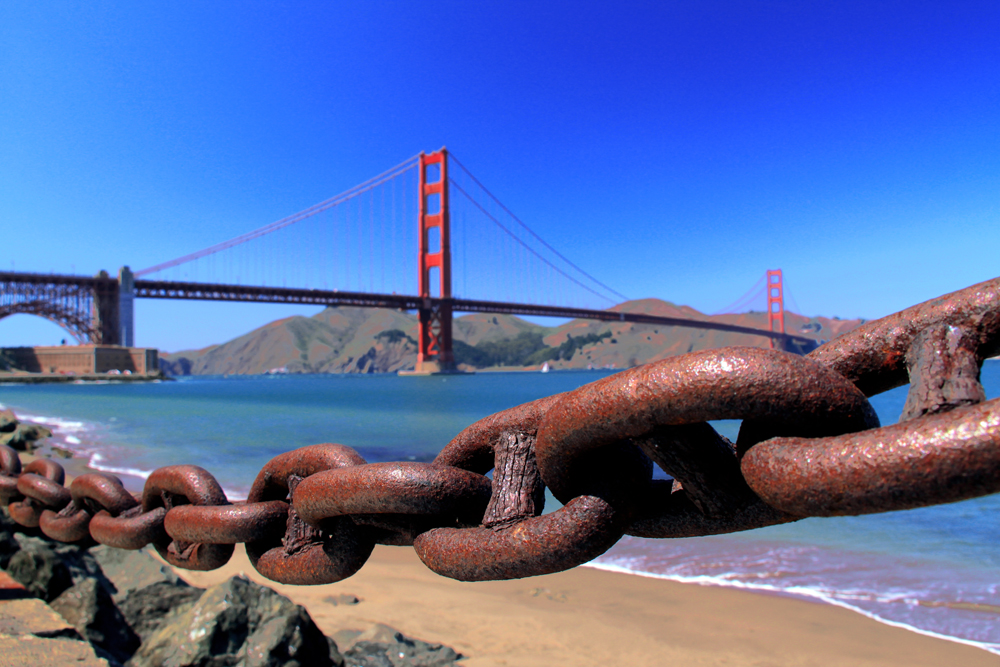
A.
x: 157, y: 289
x: 38, y: 287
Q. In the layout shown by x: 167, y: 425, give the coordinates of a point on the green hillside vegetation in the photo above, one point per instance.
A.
x: 526, y: 349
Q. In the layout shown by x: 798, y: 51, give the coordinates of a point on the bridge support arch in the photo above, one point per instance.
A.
x: 88, y: 308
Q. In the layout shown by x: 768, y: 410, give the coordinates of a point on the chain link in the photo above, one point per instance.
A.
x: 810, y: 444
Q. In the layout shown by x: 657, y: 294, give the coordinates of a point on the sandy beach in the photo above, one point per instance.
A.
x: 589, y: 617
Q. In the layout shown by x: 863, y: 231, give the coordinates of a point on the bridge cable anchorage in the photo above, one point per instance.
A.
x: 810, y: 445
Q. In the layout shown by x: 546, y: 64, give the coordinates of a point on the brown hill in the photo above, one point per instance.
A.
x: 633, y: 344
x: 359, y: 340
x: 336, y: 340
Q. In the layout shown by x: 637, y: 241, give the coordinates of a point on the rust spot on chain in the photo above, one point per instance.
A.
x: 519, y: 542
x: 226, y: 524
x: 132, y: 529
x: 70, y: 524
x: 708, y: 494
x: 473, y: 448
x: 91, y: 493
x: 40, y: 485
x: 101, y: 491
x: 579, y: 532
x: 298, y: 534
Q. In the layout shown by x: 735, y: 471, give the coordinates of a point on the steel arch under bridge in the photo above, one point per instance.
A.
x: 88, y: 308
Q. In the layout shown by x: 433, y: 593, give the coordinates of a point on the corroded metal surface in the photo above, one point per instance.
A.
x: 303, y: 554
x: 938, y: 458
x: 873, y: 356
x: 227, y: 524
x: 178, y: 486
x: 809, y: 445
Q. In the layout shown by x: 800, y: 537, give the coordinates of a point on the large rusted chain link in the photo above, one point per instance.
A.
x: 809, y: 445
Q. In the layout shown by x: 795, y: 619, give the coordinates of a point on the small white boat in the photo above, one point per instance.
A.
x: 545, y: 367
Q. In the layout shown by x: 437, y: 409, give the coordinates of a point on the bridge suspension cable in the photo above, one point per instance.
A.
x: 744, y: 302
x: 525, y: 245
x: 530, y: 231
x: 361, y: 188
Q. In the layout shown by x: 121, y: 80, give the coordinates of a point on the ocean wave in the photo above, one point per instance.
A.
x: 836, y: 599
x: 97, y: 462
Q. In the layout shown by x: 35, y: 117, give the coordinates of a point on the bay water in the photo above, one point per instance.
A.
x: 934, y: 570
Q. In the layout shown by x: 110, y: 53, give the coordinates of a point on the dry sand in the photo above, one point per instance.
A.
x: 589, y: 617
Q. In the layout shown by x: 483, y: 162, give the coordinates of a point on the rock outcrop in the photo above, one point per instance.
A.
x: 109, y: 607
x: 19, y: 435
x: 239, y: 622
x: 382, y: 646
x: 88, y: 607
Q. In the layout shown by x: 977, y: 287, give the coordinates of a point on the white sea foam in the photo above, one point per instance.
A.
x: 96, y: 462
x: 729, y: 580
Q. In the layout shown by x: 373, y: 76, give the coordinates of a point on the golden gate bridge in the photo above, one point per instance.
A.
x: 357, y: 249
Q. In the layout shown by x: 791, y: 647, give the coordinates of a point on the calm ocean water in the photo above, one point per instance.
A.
x: 935, y: 570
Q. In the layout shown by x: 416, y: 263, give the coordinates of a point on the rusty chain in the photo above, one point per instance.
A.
x: 810, y: 444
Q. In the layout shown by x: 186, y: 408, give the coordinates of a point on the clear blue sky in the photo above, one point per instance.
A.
x: 673, y: 149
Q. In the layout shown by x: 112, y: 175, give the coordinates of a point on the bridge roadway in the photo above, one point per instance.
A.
x: 69, y: 300
x: 162, y: 289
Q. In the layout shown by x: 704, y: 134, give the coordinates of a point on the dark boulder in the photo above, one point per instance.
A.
x: 242, y: 623
x: 8, y: 421
x: 131, y: 570
x: 8, y: 547
x: 76, y: 557
x: 40, y: 570
x: 382, y: 646
x: 88, y: 607
x: 23, y: 437
x: 146, y: 609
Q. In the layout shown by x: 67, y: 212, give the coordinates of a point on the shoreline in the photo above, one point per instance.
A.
x: 800, y: 595
x: 88, y: 378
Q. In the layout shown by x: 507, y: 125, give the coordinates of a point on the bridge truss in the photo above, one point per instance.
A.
x: 87, y: 308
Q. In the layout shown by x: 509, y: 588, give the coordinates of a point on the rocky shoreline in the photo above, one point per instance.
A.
x: 22, y: 377
x: 101, y: 606
x: 88, y: 604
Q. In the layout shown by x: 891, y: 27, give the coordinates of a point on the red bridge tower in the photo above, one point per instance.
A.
x: 775, y: 303
x: 435, y: 351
